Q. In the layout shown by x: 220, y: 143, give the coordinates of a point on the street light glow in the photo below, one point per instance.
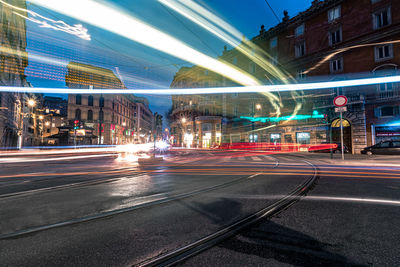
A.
x: 31, y: 102
x: 183, y: 120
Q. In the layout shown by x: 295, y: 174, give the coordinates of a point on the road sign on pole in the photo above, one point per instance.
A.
x: 340, y: 103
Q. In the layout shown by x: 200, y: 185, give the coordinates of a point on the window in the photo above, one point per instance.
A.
x: 300, y: 75
x: 275, y: 138
x: 90, y: 115
x: 299, y: 30
x: 383, y: 144
x: 383, y: 52
x: 101, y: 102
x: 387, y: 111
x: 303, y: 138
x: 78, y: 114
x: 235, y: 111
x: 235, y: 61
x: 206, y: 72
x: 336, y: 65
x: 101, y: 115
x: 274, y: 60
x: 382, y: 18
x: 273, y: 42
x: 334, y: 13
x: 335, y: 36
x: 78, y: 99
x: 300, y: 49
x: 385, y: 90
x: 90, y: 100
x: 252, y: 67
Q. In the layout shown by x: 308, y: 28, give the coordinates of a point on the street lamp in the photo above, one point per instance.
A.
x: 257, y: 107
x: 183, y: 120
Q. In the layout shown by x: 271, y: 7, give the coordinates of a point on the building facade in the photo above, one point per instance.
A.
x: 105, y: 119
x: 331, y: 40
x: 13, y: 61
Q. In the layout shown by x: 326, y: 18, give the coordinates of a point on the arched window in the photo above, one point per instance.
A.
x: 78, y: 114
x: 101, y: 102
x: 90, y: 100
x: 78, y: 100
x: 101, y: 115
x: 90, y: 115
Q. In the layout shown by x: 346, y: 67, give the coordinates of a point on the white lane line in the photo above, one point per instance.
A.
x: 256, y: 158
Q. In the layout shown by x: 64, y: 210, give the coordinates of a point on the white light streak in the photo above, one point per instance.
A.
x: 215, y: 90
x: 58, y: 25
x: 129, y: 27
x: 353, y: 199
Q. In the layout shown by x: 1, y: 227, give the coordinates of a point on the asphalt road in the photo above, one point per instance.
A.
x: 108, y: 211
x: 150, y: 210
x: 350, y: 218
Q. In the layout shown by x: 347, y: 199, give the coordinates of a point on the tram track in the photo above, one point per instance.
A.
x: 179, y: 255
x: 159, y: 201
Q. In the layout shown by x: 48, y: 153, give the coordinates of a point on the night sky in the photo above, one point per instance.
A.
x: 140, y: 66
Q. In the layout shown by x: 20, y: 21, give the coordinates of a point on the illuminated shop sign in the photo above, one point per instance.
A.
x: 315, y: 115
x: 387, y: 131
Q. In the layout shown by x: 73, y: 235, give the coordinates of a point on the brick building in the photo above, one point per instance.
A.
x: 331, y: 40
x: 110, y: 119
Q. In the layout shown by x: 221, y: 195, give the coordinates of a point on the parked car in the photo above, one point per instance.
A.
x: 383, y: 148
x: 326, y: 148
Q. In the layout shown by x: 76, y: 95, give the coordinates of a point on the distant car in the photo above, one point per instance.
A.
x: 383, y: 148
x: 326, y: 148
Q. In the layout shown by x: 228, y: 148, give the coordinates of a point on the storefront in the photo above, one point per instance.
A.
x: 303, y: 138
x: 384, y: 133
x: 275, y: 138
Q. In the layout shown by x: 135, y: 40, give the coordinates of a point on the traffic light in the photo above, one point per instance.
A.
x: 76, y: 124
x: 326, y: 120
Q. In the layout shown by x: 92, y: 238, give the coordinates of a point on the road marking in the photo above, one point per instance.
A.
x: 256, y: 158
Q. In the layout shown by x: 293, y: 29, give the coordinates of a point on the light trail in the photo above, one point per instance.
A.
x: 212, y: 90
x: 57, y: 25
x: 226, y: 32
x: 24, y: 160
x: 354, y: 199
x: 342, y: 50
x: 317, y: 198
x: 127, y: 26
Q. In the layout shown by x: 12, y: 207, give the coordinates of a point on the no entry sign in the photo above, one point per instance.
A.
x: 340, y: 101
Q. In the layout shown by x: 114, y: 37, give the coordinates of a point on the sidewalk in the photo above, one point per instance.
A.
x: 352, y: 159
